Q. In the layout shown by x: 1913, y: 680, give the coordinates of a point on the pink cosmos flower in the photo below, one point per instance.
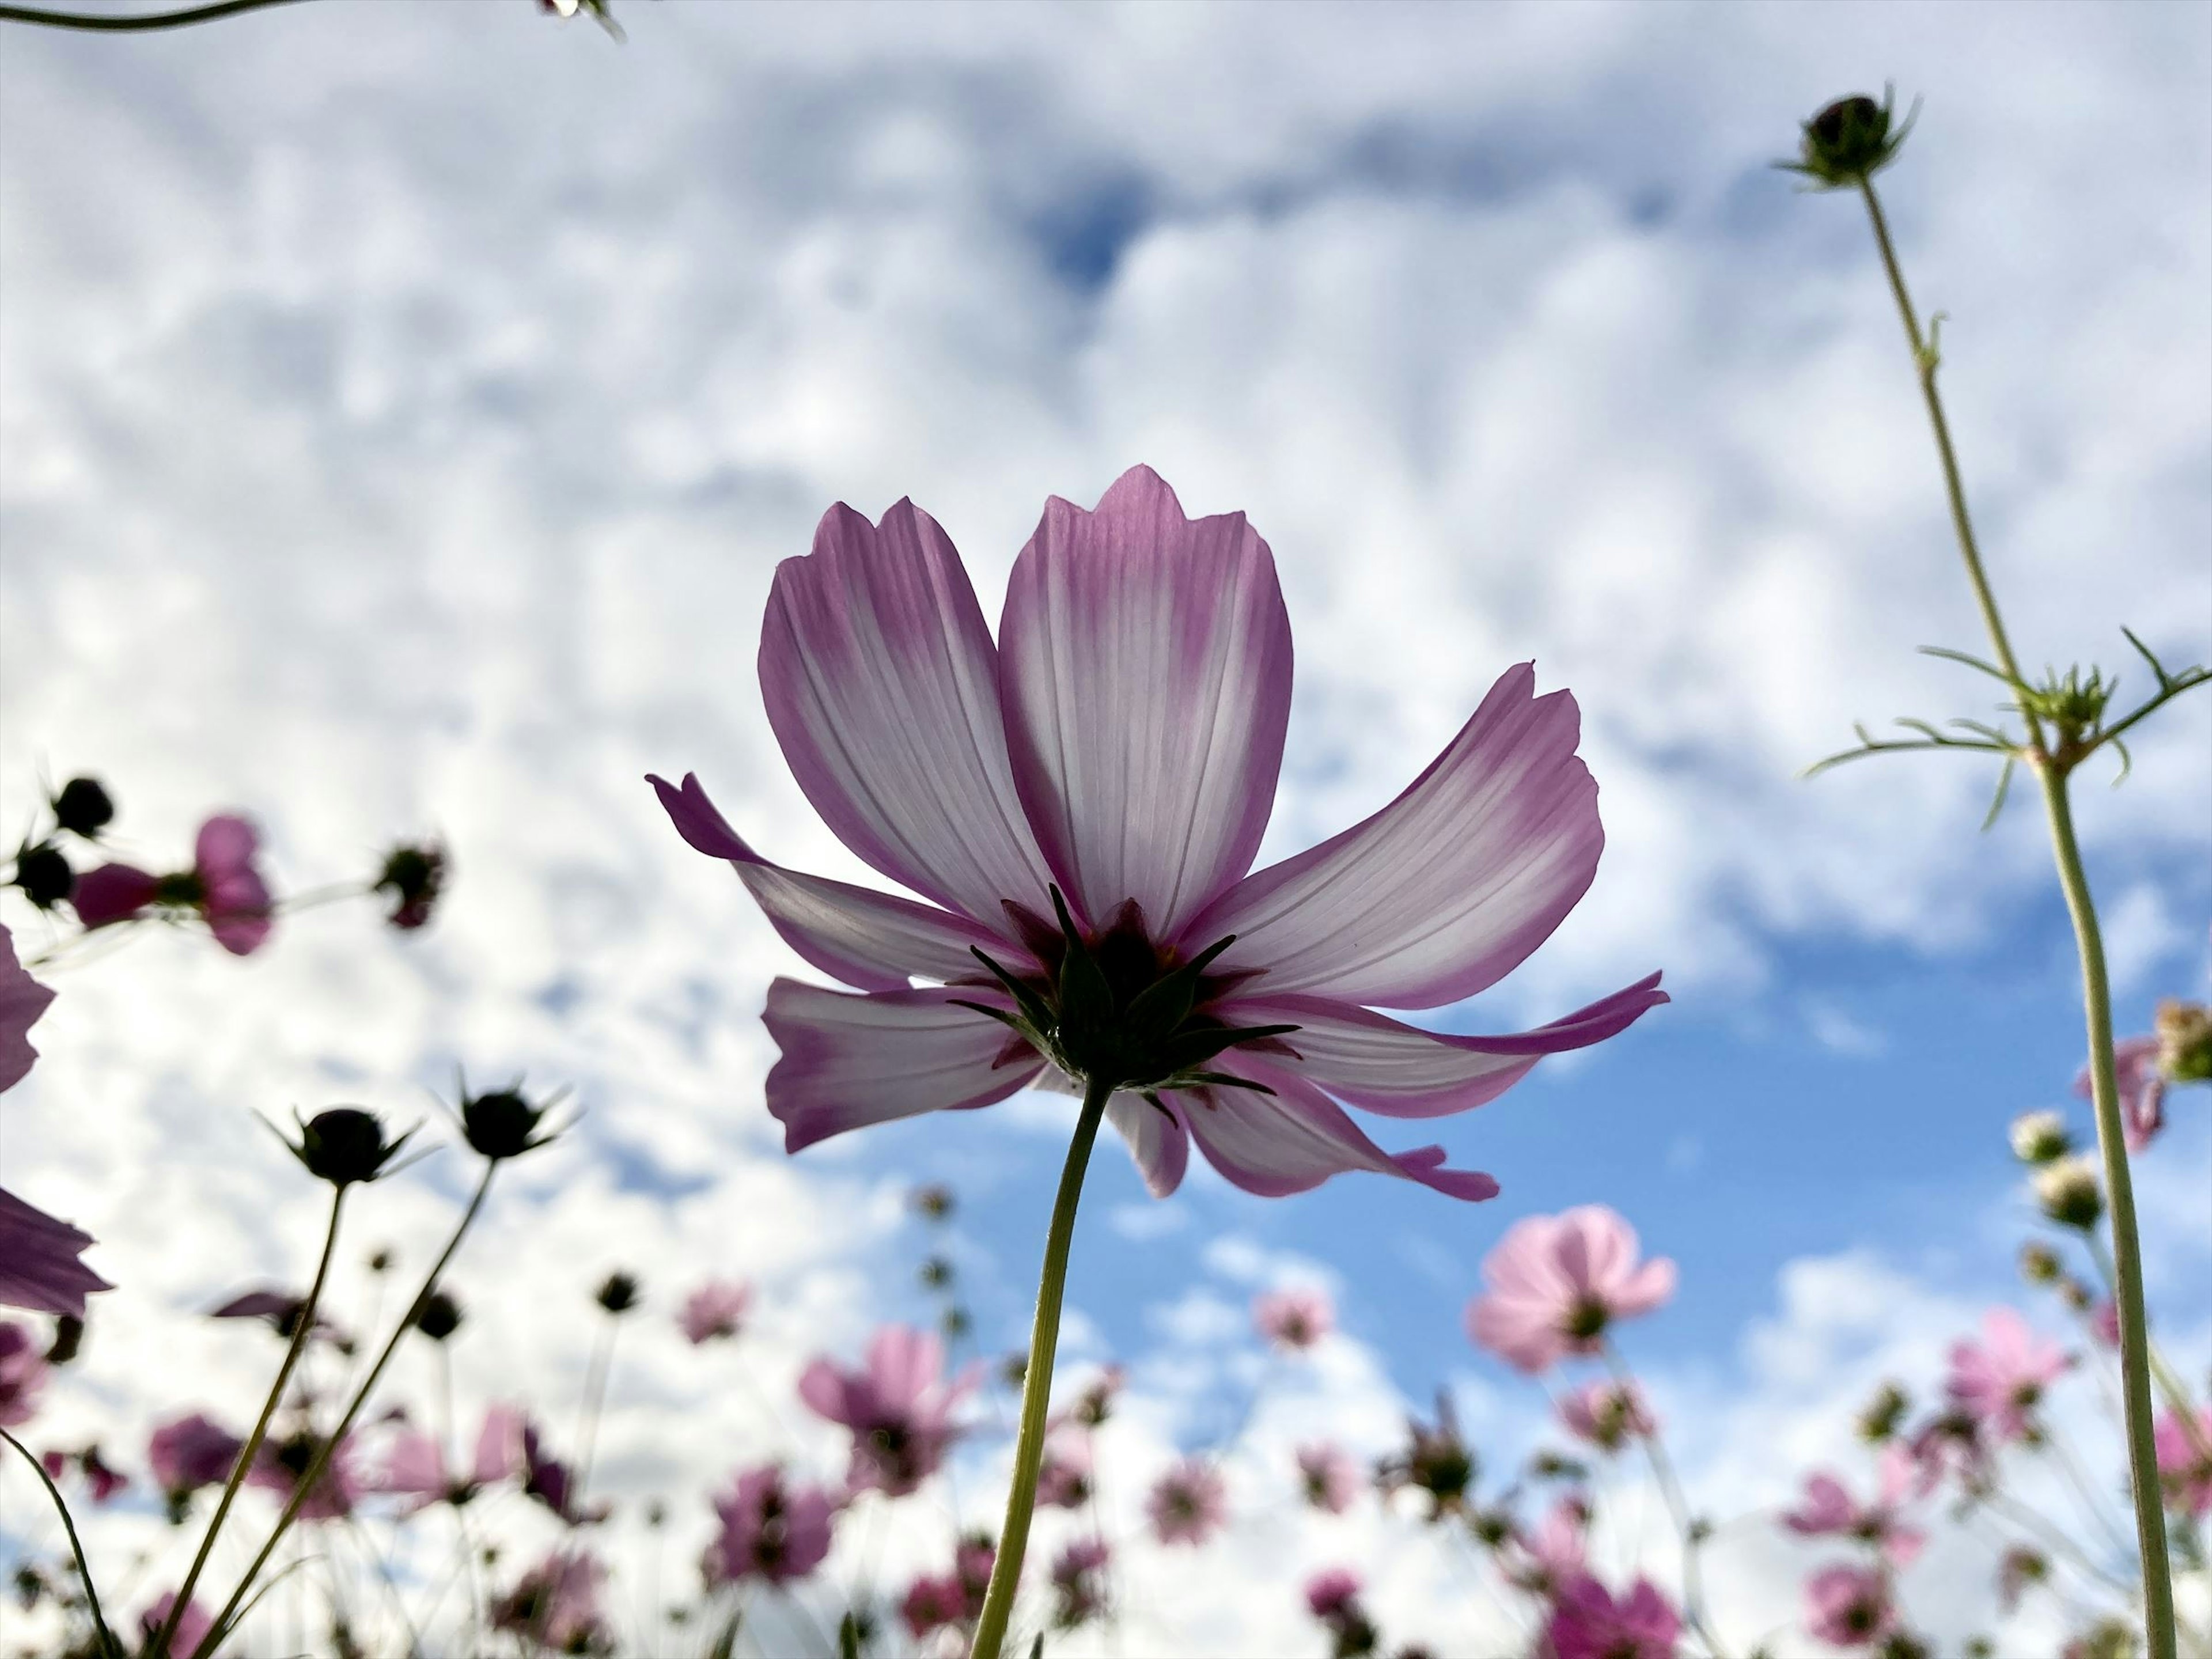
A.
x: 716, y: 1309
x: 1189, y: 1504
x: 771, y: 1530
x: 1607, y: 1414
x: 1849, y: 1606
x: 1332, y: 1591
x: 40, y: 1267
x: 2142, y: 1089
x: 1554, y: 1556
x: 101, y: 1481
x: 414, y: 1463
x: 23, y: 999
x: 193, y: 1627
x: 1076, y: 1572
x: 188, y: 1453
x: 224, y: 885
x: 1293, y: 1320
x: 1830, y: 1510
x: 22, y: 1375
x: 1557, y: 1282
x: 280, y: 1310
x: 552, y: 1483
x: 2184, y: 1466
x: 953, y: 1598
x: 281, y: 1463
x: 988, y: 777
x: 1588, y: 1623
x: 1327, y: 1476
x: 557, y: 1603
x: 1999, y: 1380
x: 1064, y: 1474
x: 899, y: 1408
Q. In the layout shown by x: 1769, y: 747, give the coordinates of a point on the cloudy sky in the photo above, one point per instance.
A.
x: 403, y: 407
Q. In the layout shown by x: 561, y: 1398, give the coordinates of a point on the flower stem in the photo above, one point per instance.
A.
x: 110, y: 23
x: 1677, y: 1506
x: 302, y: 1330
x: 218, y: 1632
x: 1037, y: 1381
x: 104, y: 1643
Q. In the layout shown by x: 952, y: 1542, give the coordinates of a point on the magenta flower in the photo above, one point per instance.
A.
x: 771, y: 1531
x: 993, y: 779
x: 101, y: 1481
x: 716, y: 1310
x: 23, y: 999
x: 2141, y: 1088
x: 1293, y: 1320
x: 1189, y: 1504
x: 557, y: 1603
x: 22, y: 1375
x: 188, y: 1453
x: 1849, y: 1606
x: 1553, y: 1556
x: 1588, y: 1623
x: 1829, y: 1510
x: 899, y: 1408
x: 282, y: 1464
x: 224, y: 887
x: 1331, y: 1591
x: 1999, y: 1381
x: 1557, y: 1282
x: 279, y: 1309
x: 1327, y: 1476
x: 951, y: 1598
x: 414, y: 1463
x: 1607, y: 1414
x: 552, y: 1483
x: 193, y: 1624
x: 1064, y: 1476
x: 2184, y: 1464
x: 40, y: 1268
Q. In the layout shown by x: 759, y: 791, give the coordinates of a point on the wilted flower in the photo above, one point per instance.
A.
x: 1327, y: 1476
x: 899, y: 1408
x: 1848, y: 143
x: 715, y: 1311
x: 1607, y: 1414
x: 1189, y: 1503
x: 1588, y: 1623
x: 557, y: 1603
x: 2069, y: 1193
x: 22, y: 1375
x: 1849, y: 1606
x: 413, y: 877
x: 2040, y: 1138
x: 1079, y: 1595
x: 1435, y: 1461
x: 1026, y: 790
x: 1558, y: 1282
x: 1829, y: 1508
x: 770, y: 1530
x: 1294, y: 1320
x: 188, y: 1453
x: 1999, y: 1380
x: 2184, y: 1461
x: 224, y: 887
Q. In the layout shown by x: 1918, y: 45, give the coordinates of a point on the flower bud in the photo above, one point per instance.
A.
x: 2185, y: 1040
x: 936, y: 1273
x: 1849, y: 142
x: 2039, y: 1264
x: 413, y: 877
x: 2069, y: 1193
x: 2040, y: 1138
x: 1878, y: 1421
x: 43, y: 875
x: 955, y: 1322
x: 345, y: 1145
x: 934, y: 1202
x: 438, y: 1315
x: 83, y: 808
x: 617, y: 1293
x: 501, y: 1124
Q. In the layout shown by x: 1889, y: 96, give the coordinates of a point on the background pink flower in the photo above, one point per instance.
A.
x: 1328, y: 1476
x: 1849, y: 1606
x: 1999, y: 1380
x: 770, y: 1530
x: 22, y: 1375
x: 1295, y: 1320
x: 1558, y: 1282
x: 188, y: 1453
x: 1588, y: 1623
x: 899, y: 1407
x: 1189, y: 1504
x: 1606, y: 1413
x: 2184, y: 1461
x: 1829, y: 1510
x: 715, y: 1311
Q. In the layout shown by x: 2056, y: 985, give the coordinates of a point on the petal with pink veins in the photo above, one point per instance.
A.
x: 1376, y: 1062
x: 876, y: 941
x: 1145, y: 659
x: 882, y: 685
x: 1446, y: 889
x: 1155, y: 1138
x: 851, y: 1061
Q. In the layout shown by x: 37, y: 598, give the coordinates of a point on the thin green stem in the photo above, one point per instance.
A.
x: 108, y: 1644
x: 1677, y: 1506
x: 302, y: 1330
x: 1037, y: 1383
x: 119, y: 24
x: 595, y: 1401
x: 218, y: 1632
x: 2120, y: 1206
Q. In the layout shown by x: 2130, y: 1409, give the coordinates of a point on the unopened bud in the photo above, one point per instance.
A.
x: 413, y: 878
x: 1878, y: 1421
x: 2069, y: 1193
x: 44, y: 876
x: 617, y: 1293
x: 345, y: 1145
x: 502, y: 1124
x: 934, y: 1202
x: 2039, y: 1264
x: 2040, y: 1138
x: 1849, y: 142
x: 438, y: 1315
x: 83, y: 808
x: 2184, y: 1042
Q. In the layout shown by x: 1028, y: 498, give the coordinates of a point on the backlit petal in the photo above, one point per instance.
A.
x: 1155, y: 1139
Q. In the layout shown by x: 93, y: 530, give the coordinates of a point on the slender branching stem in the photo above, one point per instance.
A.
x: 125, y: 23
x: 1037, y: 1383
x: 1677, y: 1506
x: 108, y: 1647
x: 302, y: 1331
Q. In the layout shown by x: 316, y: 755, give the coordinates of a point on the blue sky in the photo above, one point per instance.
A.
x: 403, y: 409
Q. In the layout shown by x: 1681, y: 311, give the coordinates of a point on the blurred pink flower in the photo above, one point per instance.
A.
x: 1588, y: 1623
x: 951, y: 1598
x: 101, y: 1481
x: 1849, y: 1606
x: 280, y: 1310
x: 22, y: 1375
x: 188, y: 1453
x: 716, y: 1309
x: 1331, y: 1592
x: 552, y: 1483
x: 1327, y: 1476
x: 1554, y: 1557
x: 113, y: 893
x: 1999, y: 1380
x: 1830, y: 1510
x: 1294, y: 1320
x: 38, y: 1265
x: 1187, y: 1504
x: 557, y: 1603
x: 2105, y: 1323
x: 1557, y: 1282
x: 2142, y: 1089
x: 981, y: 775
x: 1075, y: 1581
x: 281, y: 1462
x: 2019, y: 1568
x: 1607, y: 1414
x: 2185, y: 1466
x: 770, y: 1530
x: 1064, y: 1476
x: 193, y: 1625
x: 224, y: 885
x: 414, y: 1463
x: 899, y: 1408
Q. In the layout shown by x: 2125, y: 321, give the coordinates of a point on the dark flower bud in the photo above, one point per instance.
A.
x: 955, y: 1323
x: 936, y: 1273
x: 2039, y: 1264
x: 413, y: 877
x: 69, y: 1337
x: 501, y: 1124
x: 1878, y: 1422
x: 379, y: 1261
x: 1491, y: 1527
x: 934, y: 1202
x: 1849, y: 142
x: 438, y: 1315
x: 345, y: 1145
x: 617, y: 1293
x: 83, y: 808
x: 43, y: 875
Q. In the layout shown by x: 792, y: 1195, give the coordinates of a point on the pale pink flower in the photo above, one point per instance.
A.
x: 1558, y: 1282
x: 1076, y: 1574
x: 224, y: 886
x: 188, y: 1453
x: 984, y: 776
x: 1849, y: 1606
x: 1294, y: 1320
x: 1327, y: 1476
x: 22, y: 1375
x: 771, y: 1530
x: 1064, y: 1475
x: 414, y: 1463
x: 283, y: 1462
x: 899, y: 1408
x: 1588, y: 1623
x: 1189, y: 1504
x: 2001, y: 1380
x: 193, y: 1624
x: 1829, y: 1510
x: 1553, y: 1556
x: 2105, y: 1323
x: 716, y: 1309
x: 2185, y: 1466
x: 1607, y: 1414
x: 557, y: 1603
x: 2142, y: 1086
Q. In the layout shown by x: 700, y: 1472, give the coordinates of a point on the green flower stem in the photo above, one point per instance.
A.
x: 301, y: 1331
x: 218, y: 1632
x: 1037, y: 1381
x: 1677, y: 1506
x: 105, y: 1645
x: 113, y: 23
